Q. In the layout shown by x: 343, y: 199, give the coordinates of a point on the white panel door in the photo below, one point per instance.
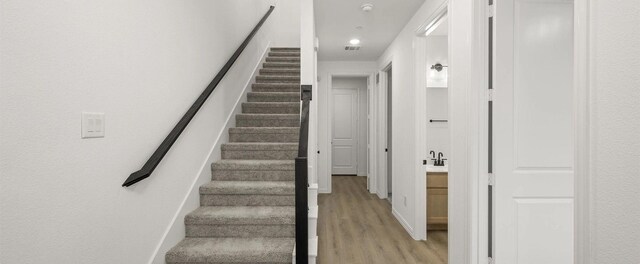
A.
x: 533, y: 132
x: 344, y: 141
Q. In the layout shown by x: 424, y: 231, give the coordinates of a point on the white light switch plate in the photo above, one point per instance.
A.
x: 92, y: 125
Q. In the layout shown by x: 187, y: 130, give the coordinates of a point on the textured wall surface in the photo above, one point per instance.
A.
x: 615, y: 124
x: 140, y: 62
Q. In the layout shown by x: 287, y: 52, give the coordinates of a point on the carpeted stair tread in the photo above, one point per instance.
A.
x: 267, y: 120
x: 273, y: 97
x: 283, y: 59
x: 242, y: 215
x: 278, y: 79
x: 276, y: 87
x: 279, y: 64
x: 271, y: 108
x: 253, y: 170
x: 260, y: 150
x: 231, y: 250
x: 275, y: 188
x: 284, y: 53
x: 285, y: 49
x: 258, y: 146
x: 280, y: 71
x: 253, y: 165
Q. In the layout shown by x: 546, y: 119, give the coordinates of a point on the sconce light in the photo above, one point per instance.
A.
x: 438, y: 67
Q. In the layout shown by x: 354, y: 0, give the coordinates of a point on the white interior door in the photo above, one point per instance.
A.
x: 344, y: 150
x: 533, y: 132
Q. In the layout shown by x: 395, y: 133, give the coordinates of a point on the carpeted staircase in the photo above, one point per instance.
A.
x: 246, y: 212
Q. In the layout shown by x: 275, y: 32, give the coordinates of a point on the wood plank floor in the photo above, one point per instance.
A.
x: 355, y: 226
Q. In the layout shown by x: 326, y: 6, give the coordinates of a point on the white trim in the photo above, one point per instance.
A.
x: 403, y: 222
x: 205, y: 170
x: 480, y: 180
x: 420, y: 74
x: 467, y: 84
x: 381, y: 137
x: 583, y: 176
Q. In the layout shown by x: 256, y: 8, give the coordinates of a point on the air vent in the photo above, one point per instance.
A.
x: 351, y: 47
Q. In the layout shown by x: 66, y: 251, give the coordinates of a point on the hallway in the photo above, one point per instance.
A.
x: 355, y: 226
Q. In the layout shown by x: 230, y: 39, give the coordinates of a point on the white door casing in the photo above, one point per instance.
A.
x: 533, y: 132
x: 344, y: 132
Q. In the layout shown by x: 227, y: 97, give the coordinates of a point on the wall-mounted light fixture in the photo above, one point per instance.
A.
x: 438, y: 67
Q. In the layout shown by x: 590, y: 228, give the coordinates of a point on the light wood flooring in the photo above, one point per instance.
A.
x: 355, y: 226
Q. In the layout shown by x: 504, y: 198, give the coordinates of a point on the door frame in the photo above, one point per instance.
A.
x: 383, y: 127
x: 329, y: 114
x: 583, y: 74
x: 420, y: 62
x: 468, y: 177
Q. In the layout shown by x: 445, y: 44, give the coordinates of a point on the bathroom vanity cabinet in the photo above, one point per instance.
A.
x: 437, y: 200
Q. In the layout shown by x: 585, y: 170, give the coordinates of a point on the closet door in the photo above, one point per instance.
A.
x: 533, y: 132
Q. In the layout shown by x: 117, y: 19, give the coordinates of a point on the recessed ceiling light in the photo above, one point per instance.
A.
x: 354, y: 41
x: 367, y: 7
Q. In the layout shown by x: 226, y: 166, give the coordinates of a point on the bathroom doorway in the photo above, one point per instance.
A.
x: 432, y: 126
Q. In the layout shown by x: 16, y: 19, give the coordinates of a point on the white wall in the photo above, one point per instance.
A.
x: 437, y: 98
x: 142, y: 63
x: 400, y: 53
x: 615, y: 122
x: 437, y: 52
x: 437, y: 133
x: 325, y: 70
x: 287, y: 23
x: 359, y: 84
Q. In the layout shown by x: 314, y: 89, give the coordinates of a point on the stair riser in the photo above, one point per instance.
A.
x: 261, y: 79
x: 240, y: 231
x: 273, y: 97
x: 279, y: 258
x: 267, y: 122
x: 283, y: 59
x: 284, y: 54
x: 270, y: 64
x: 243, y: 175
x: 285, y: 49
x: 264, y: 109
x: 264, y: 137
x: 280, y: 72
x: 276, y: 89
x: 246, y: 200
x: 259, y: 155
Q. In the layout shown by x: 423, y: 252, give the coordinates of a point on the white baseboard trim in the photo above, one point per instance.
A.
x: 177, y: 227
x: 404, y: 223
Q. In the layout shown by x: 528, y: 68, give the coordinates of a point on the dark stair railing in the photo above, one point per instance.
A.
x: 302, y: 181
x: 164, y: 147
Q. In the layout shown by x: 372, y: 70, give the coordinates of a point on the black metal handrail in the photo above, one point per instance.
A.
x: 164, y: 147
x: 302, y: 181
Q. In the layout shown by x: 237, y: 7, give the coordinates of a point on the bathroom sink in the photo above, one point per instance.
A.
x: 431, y: 168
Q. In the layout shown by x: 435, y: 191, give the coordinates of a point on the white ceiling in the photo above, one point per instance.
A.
x: 336, y: 22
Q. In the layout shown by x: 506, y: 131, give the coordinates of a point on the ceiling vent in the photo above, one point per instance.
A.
x: 352, y: 47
